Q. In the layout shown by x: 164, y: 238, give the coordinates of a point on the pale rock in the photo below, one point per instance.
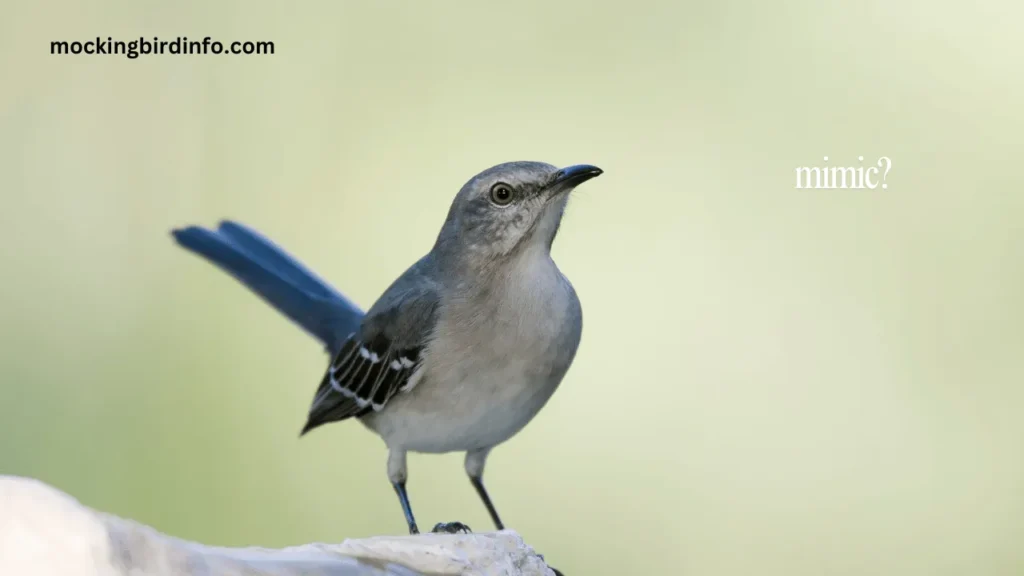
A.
x: 45, y: 532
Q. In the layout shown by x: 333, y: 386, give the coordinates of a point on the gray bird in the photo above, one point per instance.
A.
x: 463, y: 349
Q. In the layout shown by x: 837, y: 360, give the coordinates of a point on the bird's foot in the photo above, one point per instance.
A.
x: 451, y: 528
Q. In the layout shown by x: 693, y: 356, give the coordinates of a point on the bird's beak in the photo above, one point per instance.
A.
x: 568, y: 178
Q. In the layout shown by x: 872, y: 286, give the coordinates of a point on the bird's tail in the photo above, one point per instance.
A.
x: 276, y: 277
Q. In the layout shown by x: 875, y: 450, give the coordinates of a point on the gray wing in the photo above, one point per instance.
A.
x: 376, y: 361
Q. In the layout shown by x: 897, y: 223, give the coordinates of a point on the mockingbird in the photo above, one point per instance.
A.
x: 463, y: 349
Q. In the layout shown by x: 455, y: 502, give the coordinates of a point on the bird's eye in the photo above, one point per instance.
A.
x: 501, y: 194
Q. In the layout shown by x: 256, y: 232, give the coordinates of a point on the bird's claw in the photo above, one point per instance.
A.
x: 451, y: 528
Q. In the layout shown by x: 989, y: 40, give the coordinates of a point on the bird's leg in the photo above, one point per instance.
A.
x: 478, y: 483
x: 475, y: 461
x: 403, y: 497
x: 397, y: 473
x: 475, y: 469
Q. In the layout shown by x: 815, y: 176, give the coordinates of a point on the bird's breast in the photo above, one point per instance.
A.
x: 490, y: 366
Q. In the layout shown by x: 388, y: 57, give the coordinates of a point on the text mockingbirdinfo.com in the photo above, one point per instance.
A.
x: 145, y: 47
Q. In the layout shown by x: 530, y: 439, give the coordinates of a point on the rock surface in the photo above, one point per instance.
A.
x: 45, y: 532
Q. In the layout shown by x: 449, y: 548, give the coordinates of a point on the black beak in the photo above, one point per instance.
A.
x: 573, y: 176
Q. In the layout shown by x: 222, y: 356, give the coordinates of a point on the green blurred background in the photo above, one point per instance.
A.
x: 771, y: 381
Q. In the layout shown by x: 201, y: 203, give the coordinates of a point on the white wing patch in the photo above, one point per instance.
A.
x: 413, y: 380
x: 365, y: 376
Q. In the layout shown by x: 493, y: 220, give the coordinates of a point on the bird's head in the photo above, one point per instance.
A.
x: 509, y: 208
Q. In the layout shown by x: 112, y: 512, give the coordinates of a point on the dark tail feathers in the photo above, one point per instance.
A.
x: 276, y: 277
